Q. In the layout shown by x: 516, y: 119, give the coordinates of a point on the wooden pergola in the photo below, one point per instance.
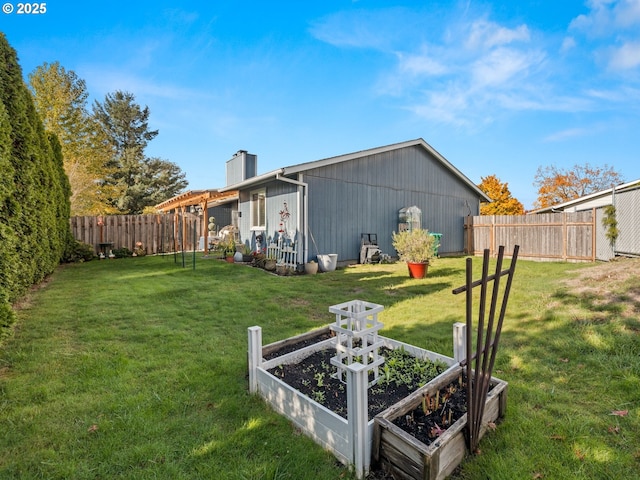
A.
x: 199, y: 200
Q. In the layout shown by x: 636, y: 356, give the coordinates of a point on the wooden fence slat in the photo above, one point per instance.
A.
x: 154, y: 231
x: 554, y: 236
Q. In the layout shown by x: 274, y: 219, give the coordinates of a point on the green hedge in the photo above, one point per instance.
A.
x: 34, y: 191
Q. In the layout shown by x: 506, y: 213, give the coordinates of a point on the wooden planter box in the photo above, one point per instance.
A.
x: 406, y: 457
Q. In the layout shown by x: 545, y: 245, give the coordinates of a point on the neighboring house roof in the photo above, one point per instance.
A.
x: 596, y: 199
x: 198, y: 197
x: 350, y: 156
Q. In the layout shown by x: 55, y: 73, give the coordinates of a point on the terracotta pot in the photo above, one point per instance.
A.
x: 229, y: 259
x: 417, y: 270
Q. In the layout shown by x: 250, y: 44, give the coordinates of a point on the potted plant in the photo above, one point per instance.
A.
x: 228, y: 249
x: 247, y: 254
x: 270, y: 263
x: 311, y: 267
x: 416, y: 247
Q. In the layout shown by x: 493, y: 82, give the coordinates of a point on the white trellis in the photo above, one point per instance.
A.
x: 356, y: 329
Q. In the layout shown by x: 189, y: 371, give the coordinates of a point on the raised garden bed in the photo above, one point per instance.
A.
x: 401, y: 375
x: 356, y: 353
x: 350, y: 440
x: 443, y: 446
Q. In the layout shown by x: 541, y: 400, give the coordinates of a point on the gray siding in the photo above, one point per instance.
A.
x: 364, y: 195
x: 277, y: 193
x: 222, y: 214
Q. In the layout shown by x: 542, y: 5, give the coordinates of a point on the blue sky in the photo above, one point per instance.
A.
x: 498, y: 87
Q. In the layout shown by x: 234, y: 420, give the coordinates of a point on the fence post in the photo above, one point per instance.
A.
x: 594, y: 237
x: 459, y: 338
x: 468, y: 224
x: 492, y: 242
x: 358, y: 416
x: 254, y: 356
x: 564, y: 237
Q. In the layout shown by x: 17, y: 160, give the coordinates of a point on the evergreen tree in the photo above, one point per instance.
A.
x: 32, y: 190
x: 137, y: 181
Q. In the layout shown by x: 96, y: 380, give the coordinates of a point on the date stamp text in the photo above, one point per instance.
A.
x: 24, y: 8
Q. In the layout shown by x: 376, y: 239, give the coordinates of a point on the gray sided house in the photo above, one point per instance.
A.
x: 325, y: 206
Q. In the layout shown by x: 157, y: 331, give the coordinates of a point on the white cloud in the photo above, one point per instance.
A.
x: 421, y: 64
x: 627, y: 13
x: 577, y: 132
x: 484, y: 34
x: 468, y: 70
x: 568, y: 43
x: 102, y: 80
x: 444, y: 107
x: 615, y: 25
x: 608, y: 17
x: 376, y: 29
x: 566, y: 134
x: 501, y: 65
x: 623, y: 94
x: 625, y: 57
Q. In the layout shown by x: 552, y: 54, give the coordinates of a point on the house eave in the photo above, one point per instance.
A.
x: 291, y: 170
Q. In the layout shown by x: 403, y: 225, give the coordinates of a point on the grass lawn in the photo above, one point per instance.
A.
x: 137, y: 369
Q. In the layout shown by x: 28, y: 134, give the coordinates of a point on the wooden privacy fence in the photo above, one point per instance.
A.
x: 547, y: 237
x: 158, y: 233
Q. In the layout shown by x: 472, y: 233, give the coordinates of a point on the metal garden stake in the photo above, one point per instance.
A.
x: 487, y: 339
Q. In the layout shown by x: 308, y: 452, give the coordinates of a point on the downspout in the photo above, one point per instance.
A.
x: 303, y: 225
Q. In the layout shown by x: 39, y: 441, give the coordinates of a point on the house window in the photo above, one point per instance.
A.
x: 258, y: 209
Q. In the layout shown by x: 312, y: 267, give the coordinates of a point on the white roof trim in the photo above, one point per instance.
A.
x: 252, y: 181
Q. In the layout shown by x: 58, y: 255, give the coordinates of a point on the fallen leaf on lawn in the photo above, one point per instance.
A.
x: 615, y: 429
x: 92, y: 428
x: 557, y: 437
x: 579, y: 454
x: 491, y: 426
x: 537, y: 476
x: 564, y: 360
x: 620, y: 413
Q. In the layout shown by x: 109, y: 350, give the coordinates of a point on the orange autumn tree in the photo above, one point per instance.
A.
x: 503, y: 203
x: 556, y: 185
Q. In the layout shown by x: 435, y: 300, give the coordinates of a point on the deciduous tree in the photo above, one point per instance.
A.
x: 60, y: 97
x: 503, y: 203
x: 557, y: 185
